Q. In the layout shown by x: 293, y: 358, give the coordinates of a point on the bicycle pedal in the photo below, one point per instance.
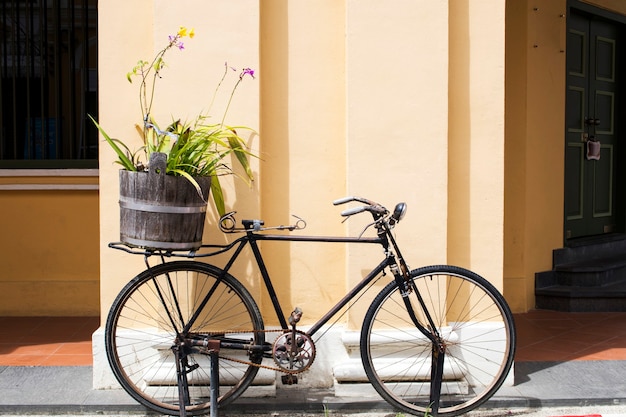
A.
x: 289, y: 379
x: 296, y: 315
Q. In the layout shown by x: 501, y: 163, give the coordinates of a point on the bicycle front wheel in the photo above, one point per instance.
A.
x: 170, y: 303
x: 474, y: 325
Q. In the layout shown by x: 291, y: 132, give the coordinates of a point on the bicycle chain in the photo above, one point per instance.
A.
x: 260, y: 365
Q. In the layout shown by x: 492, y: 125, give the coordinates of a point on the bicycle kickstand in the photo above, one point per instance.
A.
x: 214, y: 380
x: 214, y: 351
x: 183, y: 389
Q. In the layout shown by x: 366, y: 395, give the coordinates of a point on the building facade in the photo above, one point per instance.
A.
x: 476, y: 113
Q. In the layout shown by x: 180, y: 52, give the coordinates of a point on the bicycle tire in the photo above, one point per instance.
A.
x: 146, y: 317
x: 478, y: 331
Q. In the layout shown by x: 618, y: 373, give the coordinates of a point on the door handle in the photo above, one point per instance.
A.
x: 591, y: 121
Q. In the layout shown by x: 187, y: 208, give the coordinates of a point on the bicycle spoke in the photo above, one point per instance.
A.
x: 149, y: 325
x: 474, y: 346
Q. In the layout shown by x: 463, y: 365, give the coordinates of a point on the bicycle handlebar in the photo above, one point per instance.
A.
x: 345, y: 200
x: 370, y: 206
x: 352, y: 211
x: 227, y: 223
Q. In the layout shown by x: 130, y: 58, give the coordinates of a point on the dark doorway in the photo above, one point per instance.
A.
x: 593, y: 149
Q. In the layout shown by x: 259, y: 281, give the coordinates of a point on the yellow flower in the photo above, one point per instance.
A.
x: 183, y: 31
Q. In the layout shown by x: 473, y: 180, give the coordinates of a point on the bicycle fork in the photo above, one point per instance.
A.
x: 438, y: 350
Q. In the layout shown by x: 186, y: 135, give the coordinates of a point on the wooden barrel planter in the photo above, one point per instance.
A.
x: 159, y: 211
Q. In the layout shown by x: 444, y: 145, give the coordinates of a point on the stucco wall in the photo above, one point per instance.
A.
x: 476, y: 138
x: 534, y: 154
x: 383, y: 96
x: 224, y: 32
x: 303, y: 146
x: 366, y: 106
x: 361, y: 108
x: 49, y: 244
x: 402, y: 103
x: 354, y: 97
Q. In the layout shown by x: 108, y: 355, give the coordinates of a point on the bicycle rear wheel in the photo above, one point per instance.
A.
x: 172, y: 302
x: 475, y: 325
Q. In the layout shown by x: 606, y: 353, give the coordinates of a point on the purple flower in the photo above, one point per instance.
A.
x: 247, y: 71
x: 180, y: 46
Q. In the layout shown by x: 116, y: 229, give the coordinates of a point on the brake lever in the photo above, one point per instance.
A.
x: 365, y: 229
x: 299, y: 225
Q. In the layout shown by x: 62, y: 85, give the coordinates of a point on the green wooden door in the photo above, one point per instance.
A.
x: 591, y: 103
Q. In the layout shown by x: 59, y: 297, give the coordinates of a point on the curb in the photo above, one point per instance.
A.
x: 594, y: 415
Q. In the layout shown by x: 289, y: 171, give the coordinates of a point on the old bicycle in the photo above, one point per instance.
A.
x: 437, y: 339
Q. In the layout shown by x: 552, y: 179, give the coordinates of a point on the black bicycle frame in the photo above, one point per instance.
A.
x: 397, y: 266
x: 252, y: 238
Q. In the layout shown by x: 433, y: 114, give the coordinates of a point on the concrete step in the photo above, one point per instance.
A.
x: 582, y: 299
x: 585, y: 278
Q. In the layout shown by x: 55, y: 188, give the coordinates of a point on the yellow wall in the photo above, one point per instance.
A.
x: 226, y: 31
x: 348, y: 102
x: 534, y: 144
x: 341, y: 116
x: 397, y: 127
x: 517, y: 283
x: 476, y: 139
x: 49, y: 245
x: 302, y: 145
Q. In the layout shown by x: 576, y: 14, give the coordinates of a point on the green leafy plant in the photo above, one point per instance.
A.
x: 428, y: 410
x: 196, y: 148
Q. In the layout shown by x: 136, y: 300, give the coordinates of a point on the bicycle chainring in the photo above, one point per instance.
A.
x: 293, y: 357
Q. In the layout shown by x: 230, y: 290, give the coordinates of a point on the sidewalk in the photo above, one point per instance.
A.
x: 575, y: 362
x: 67, y: 390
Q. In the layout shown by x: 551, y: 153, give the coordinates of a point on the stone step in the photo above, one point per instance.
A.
x: 610, y: 297
x: 585, y: 278
x: 605, y: 247
x: 593, y: 272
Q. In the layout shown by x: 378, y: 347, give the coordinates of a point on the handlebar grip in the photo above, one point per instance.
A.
x: 352, y: 211
x: 343, y: 200
x: 352, y: 198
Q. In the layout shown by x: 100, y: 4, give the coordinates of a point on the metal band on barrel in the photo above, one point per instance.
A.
x: 151, y: 208
x: 152, y: 244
